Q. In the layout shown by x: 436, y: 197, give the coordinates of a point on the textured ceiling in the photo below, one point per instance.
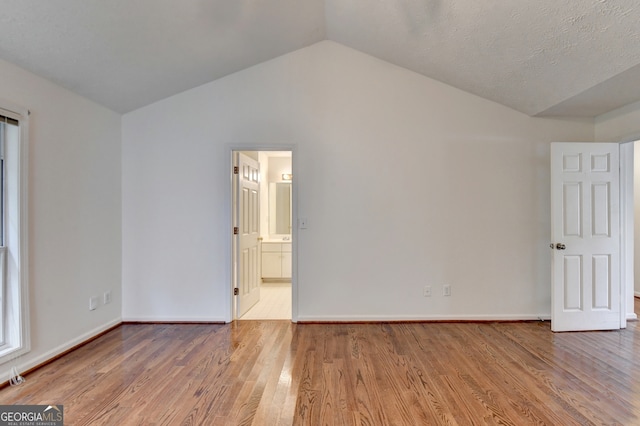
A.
x: 543, y: 57
x: 126, y: 54
x: 529, y: 55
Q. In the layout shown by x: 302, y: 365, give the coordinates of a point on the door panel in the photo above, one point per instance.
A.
x: 572, y: 283
x: 585, y: 228
x: 601, y: 282
x: 248, y: 221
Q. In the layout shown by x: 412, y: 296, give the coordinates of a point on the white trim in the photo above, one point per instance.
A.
x: 228, y: 200
x: 396, y: 318
x: 626, y: 231
x: 64, y: 347
x: 634, y: 137
x: 14, y: 111
x: 294, y: 233
x: 23, y: 268
x: 170, y: 319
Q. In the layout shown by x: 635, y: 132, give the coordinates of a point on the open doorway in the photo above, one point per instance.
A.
x: 263, y: 224
x: 636, y: 218
x: 630, y: 218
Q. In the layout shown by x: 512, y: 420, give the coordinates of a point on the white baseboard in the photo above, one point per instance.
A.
x: 216, y: 320
x: 41, y: 359
x: 400, y: 318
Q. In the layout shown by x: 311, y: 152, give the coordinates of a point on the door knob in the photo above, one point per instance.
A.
x: 560, y: 246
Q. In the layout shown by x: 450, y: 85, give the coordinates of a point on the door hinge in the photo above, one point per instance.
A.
x: 236, y: 170
x: 236, y: 291
x: 236, y: 230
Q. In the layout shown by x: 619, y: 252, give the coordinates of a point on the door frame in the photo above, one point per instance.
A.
x: 229, y: 203
x: 626, y: 230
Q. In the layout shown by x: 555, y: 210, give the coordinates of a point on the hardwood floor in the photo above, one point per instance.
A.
x: 279, y: 373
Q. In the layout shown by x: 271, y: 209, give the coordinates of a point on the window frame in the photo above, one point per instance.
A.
x: 3, y: 248
x: 15, y: 298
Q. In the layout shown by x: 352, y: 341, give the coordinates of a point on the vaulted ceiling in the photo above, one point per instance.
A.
x: 543, y: 57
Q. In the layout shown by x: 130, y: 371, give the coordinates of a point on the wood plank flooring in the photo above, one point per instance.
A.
x: 278, y: 373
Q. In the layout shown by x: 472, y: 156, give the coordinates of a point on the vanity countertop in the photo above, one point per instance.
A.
x: 276, y: 240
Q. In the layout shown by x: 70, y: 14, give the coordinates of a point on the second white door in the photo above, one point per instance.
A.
x: 585, y: 236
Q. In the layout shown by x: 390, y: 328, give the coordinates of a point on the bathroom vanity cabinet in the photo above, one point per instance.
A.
x: 276, y: 260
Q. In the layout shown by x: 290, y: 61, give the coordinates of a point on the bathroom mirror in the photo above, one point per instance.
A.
x: 280, y: 208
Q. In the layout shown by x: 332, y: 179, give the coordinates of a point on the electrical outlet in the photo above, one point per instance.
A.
x: 446, y: 290
x: 93, y: 303
x: 427, y: 291
x: 106, y: 297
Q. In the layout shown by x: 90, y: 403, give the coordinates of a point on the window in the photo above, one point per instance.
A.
x: 14, y: 330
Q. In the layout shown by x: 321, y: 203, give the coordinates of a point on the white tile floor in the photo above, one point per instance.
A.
x: 275, y: 303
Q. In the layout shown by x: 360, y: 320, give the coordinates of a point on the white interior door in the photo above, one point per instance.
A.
x: 248, y: 224
x: 585, y: 235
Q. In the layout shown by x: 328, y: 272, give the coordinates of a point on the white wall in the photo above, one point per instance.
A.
x: 405, y: 182
x: 74, y: 214
x: 622, y: 124
x: 277, y: 167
